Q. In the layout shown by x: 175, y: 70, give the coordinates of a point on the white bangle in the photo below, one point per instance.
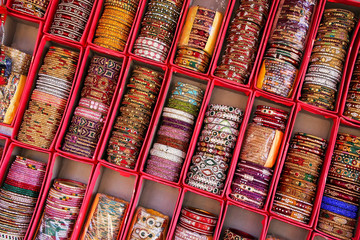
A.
x: 178, y: 117
x: 179, y: 112
x: 167, y: 156
x: 170, y: 150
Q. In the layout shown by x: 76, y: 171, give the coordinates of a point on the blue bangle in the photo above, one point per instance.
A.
x: 340, y: 204
x: 339, y: 211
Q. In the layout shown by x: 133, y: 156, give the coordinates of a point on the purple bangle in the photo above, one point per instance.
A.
x: 173, y: 135
x: 173, y: 120
x: 259, y: 187
x: 164, y: 161
x: 253, y: 204
x: 169, y: 171
x: 177, y: 131
x: 161, y: 175
x: 253, y: 196
x: 260, y: 192
x: 264, y: 172
x: 240, y: 176
x: 238, y: 180
x: 163, y: 168
x: 185, y: 129
x: 158, y: 164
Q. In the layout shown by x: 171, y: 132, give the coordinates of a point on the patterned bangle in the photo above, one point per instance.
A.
x: 342, y: 173
x: 336, y: 218
x: 299, y: 183
x: 293, y: 201
x: 298, y: 175
x: 203, y: 186
x: 288, y: 212
x: 243, y: 198
x: 335, y: 230
x: 226, y: 109
x: 305, y: 196
x: 224, y: 115
x: 221, y: 121
x: 221, y: 128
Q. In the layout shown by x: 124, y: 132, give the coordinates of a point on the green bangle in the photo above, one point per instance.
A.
x: 183, y: 106
x: 22, y: 191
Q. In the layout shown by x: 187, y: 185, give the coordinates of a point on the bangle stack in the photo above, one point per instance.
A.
x: 106, y: 217
x: 12, y: 81
x: 195, y: 224
x: 173, y: 137
x: 286, y: 46
x: 328, y: 58
x: 340, y: 203
x: 242, y: 41
x: 114, y: 26
x: 352, y: 106
x: 254, y: 169
x: 33, y: 7
x: 49, y: 98
x: 209, y: 165
x: 198, y: 38
x: 158, y: 29
x: 89, y: 116
x: 148, y: 224
x: 299, y: 175
x: 136, y: 108
x: 18, y: 196
x: 61, y: 210
x: 233, y: 234
x: 70, y: 18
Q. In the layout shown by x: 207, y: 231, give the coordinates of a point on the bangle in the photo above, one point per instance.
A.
x: 232, y: 234
x: 178, y: 112
x: 167, y: 149
x: 221, y: 121
x: 299, y: 183
x: 284, y: 210
x: 294, y: 202
x: 165, y: 155
x: 197, y: 224
x: 341, y: 204
x: 342, y: 183
x: 200, y: 215
x: 177, y: 117
x: 335, y: 230
x: 339, y: 219
x: 226, y: 109
x: 247, y: 200
x: 337, y: 210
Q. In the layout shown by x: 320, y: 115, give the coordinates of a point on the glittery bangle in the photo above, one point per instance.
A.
x: 178, y: 112
x: 338, y: 210
x: 177, y: 121
x: 340, y: 204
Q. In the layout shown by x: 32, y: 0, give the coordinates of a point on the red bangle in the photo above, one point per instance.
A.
x: 200, y: 215
x: 197, y: 224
